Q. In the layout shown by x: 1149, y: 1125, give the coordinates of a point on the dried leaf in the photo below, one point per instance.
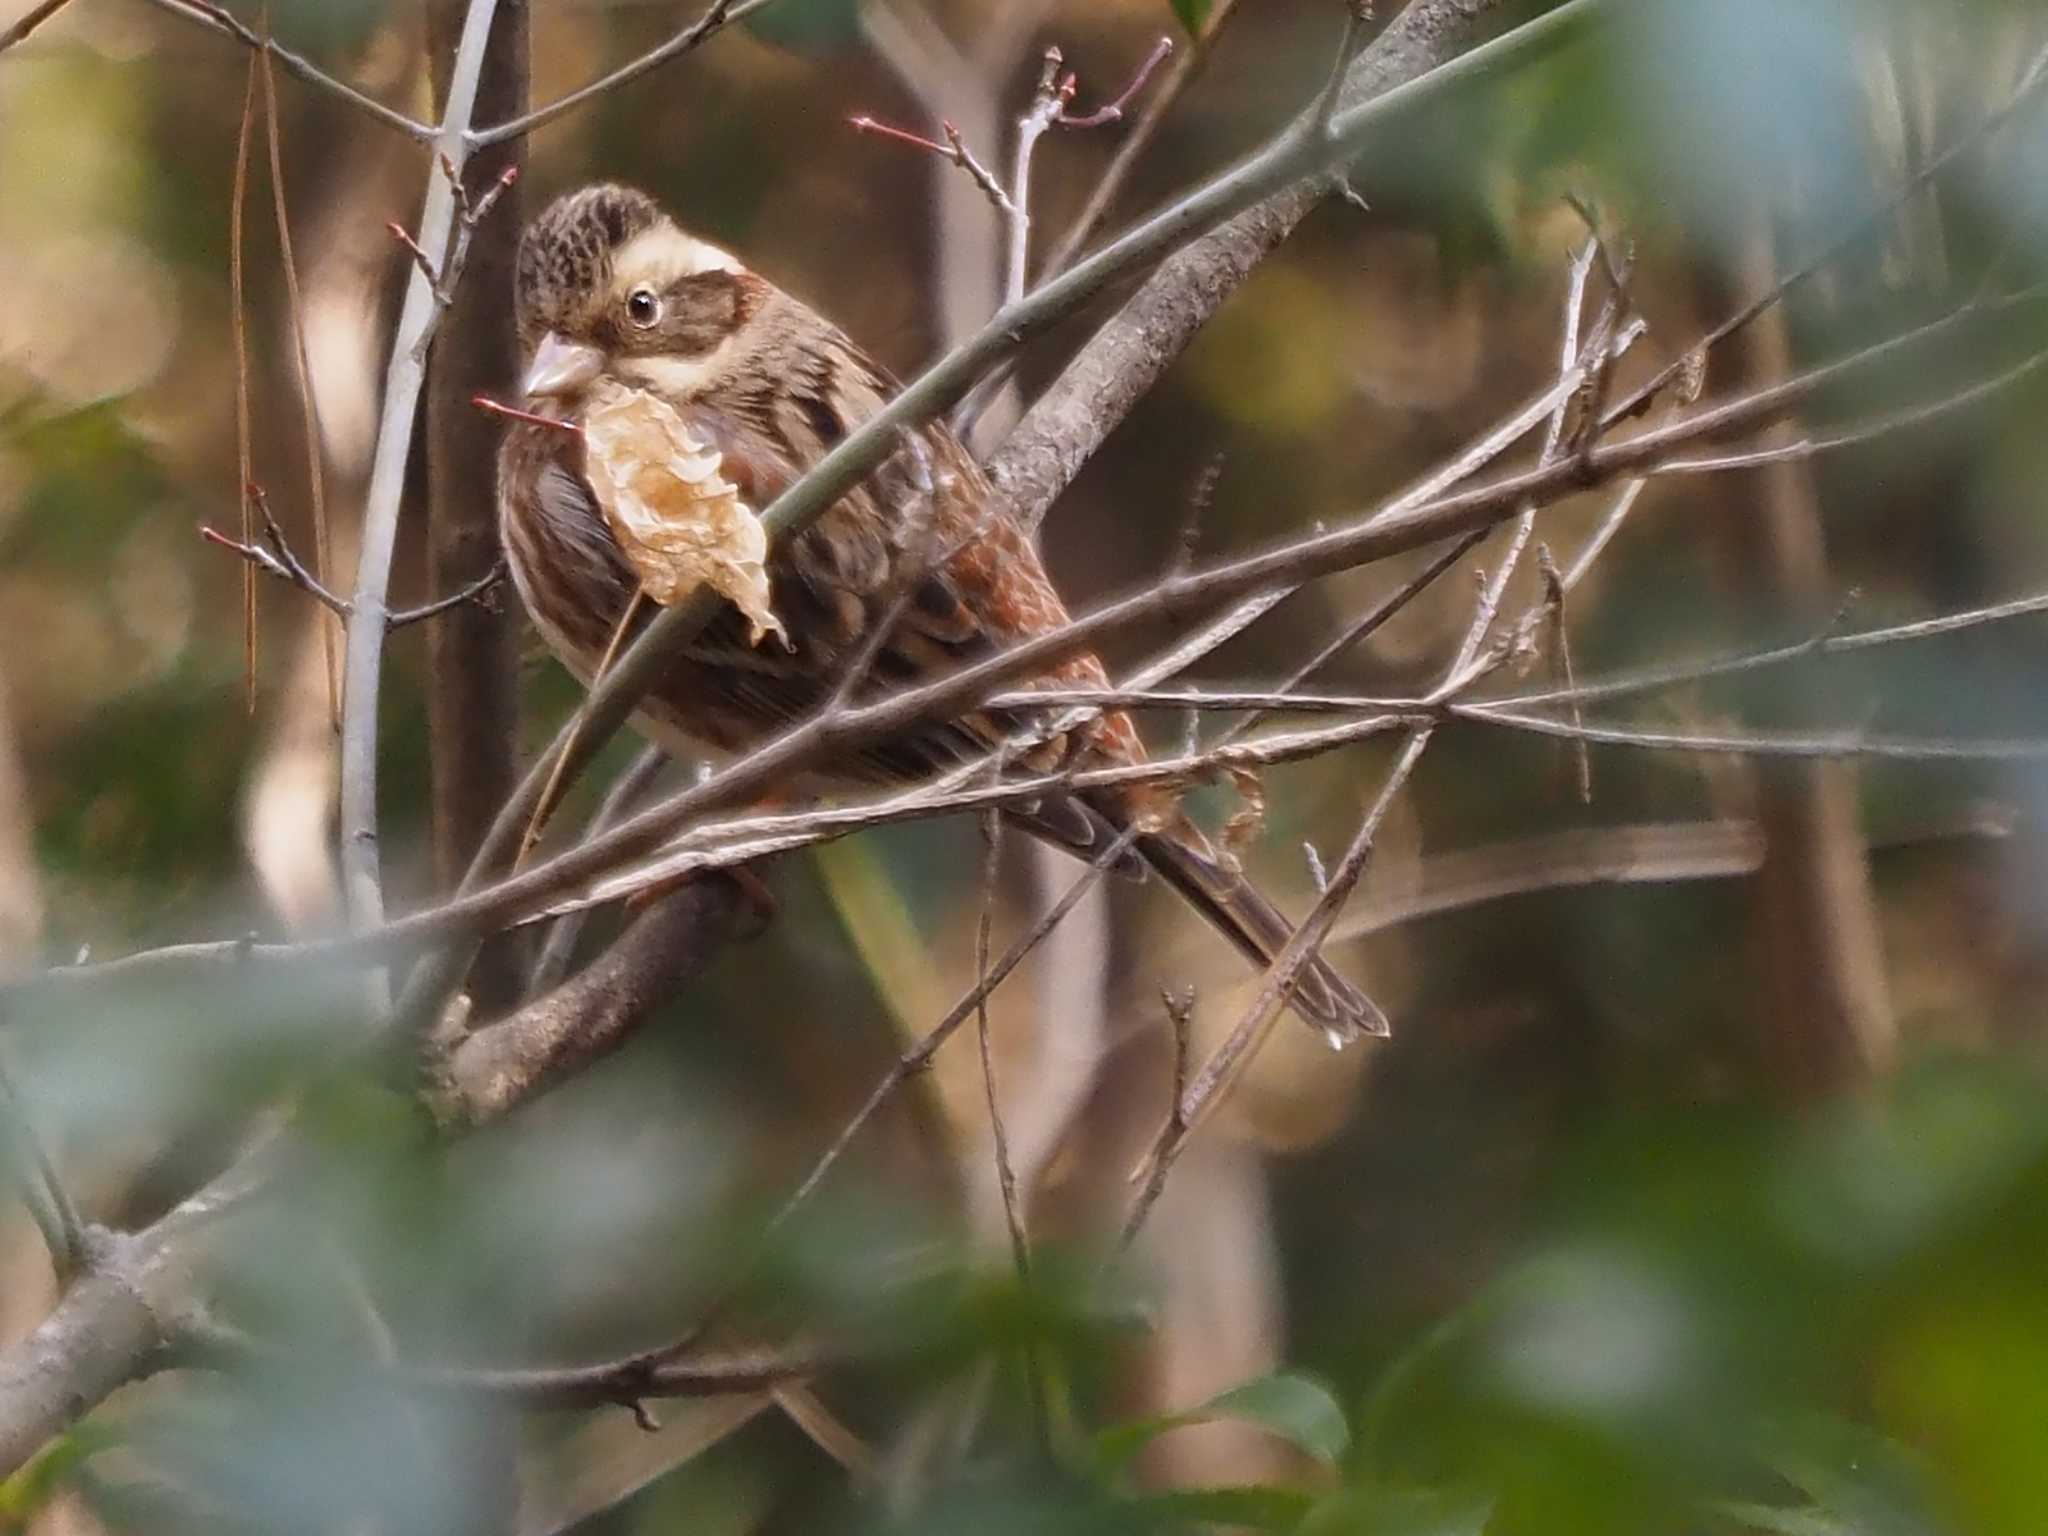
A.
x: 678, y: 520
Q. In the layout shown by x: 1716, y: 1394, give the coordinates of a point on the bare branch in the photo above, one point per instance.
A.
x: 621, y: 1383
x: 37, y: 15
x: 238, y: 345
x: 309, y: 407
x: 640, y: 775
x: 219, y: 19
x: 1048, y: 105
x: 1187, y: 67
x: 1113, y: 111
x: 1349, y: 46
x: 473, y: 657
x: 477, y: 592
x: 1006, y: 1171
x: 717, y: 15
x: 275, y: 557
x: 919, y: 1056
x: 954, y: 149
x: 1220, y: 1072
x: 424, y: 305
x: 1878, y: 218
x: 499, y: 1067
x: 1847, y: 743
x: 1125, y: 358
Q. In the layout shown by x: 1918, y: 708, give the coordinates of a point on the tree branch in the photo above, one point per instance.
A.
x: 473, y: 656
x: 219, y: 19
x: 37, y: 15
x: 1125, y: 358
x: 592, y: 1014
x: 425, y: 302
x: 717, y: 15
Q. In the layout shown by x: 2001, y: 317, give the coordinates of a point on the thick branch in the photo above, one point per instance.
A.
x: 473, y: 656
x: 108, y: 1330
x: 590, y: 1015
x: 361, y: 877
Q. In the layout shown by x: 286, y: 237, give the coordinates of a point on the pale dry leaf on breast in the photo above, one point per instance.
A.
x: 679, y: 522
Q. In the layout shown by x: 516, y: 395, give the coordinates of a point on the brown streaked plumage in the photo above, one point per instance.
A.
x: 610, y: 290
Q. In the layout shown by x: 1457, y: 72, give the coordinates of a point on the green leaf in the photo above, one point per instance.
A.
x: 1297, y: 1408
x: 23, y: 1495
x: 1193, y: 14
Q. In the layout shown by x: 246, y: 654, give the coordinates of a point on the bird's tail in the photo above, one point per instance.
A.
x: 1234, y: 907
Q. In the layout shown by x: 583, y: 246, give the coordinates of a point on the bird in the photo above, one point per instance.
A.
x: 613, y: 298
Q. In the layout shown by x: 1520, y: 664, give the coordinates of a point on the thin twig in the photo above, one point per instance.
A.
x: 915, y: 1060
x: 37, y: 15
x: 474, y: 592
x: 1006, y: 1176
x: 219, y: 19
x: 546, y: 807
x: 622, y: 1382
x: 323, y: 555
x: 954, y: 149
x: 1006, y: 1171
x: 639, y: 776
x: 719, y: 14
x: 275, y: 557
x: 238, y: 340
x: 1877, y: 218
x: 1187, y: 67
x: 1220, y: 1072
x: 1113, y: 111
x: 1846, y: 743
x: 1048, y: 104
x: 1349, y: 46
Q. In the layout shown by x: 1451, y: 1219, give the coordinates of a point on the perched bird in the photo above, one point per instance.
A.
x: 613, y: 296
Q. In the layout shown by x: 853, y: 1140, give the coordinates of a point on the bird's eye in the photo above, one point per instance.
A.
x: 643, y: 308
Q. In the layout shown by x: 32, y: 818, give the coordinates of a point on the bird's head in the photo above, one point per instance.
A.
x: 609, y: 288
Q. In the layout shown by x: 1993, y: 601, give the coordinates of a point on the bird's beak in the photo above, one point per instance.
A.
x: 561, y: 367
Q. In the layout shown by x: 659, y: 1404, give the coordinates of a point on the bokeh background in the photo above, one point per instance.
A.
x: 1701, y: 1187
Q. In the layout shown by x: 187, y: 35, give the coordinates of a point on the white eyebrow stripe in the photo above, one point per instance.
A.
x: 664, y: 254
